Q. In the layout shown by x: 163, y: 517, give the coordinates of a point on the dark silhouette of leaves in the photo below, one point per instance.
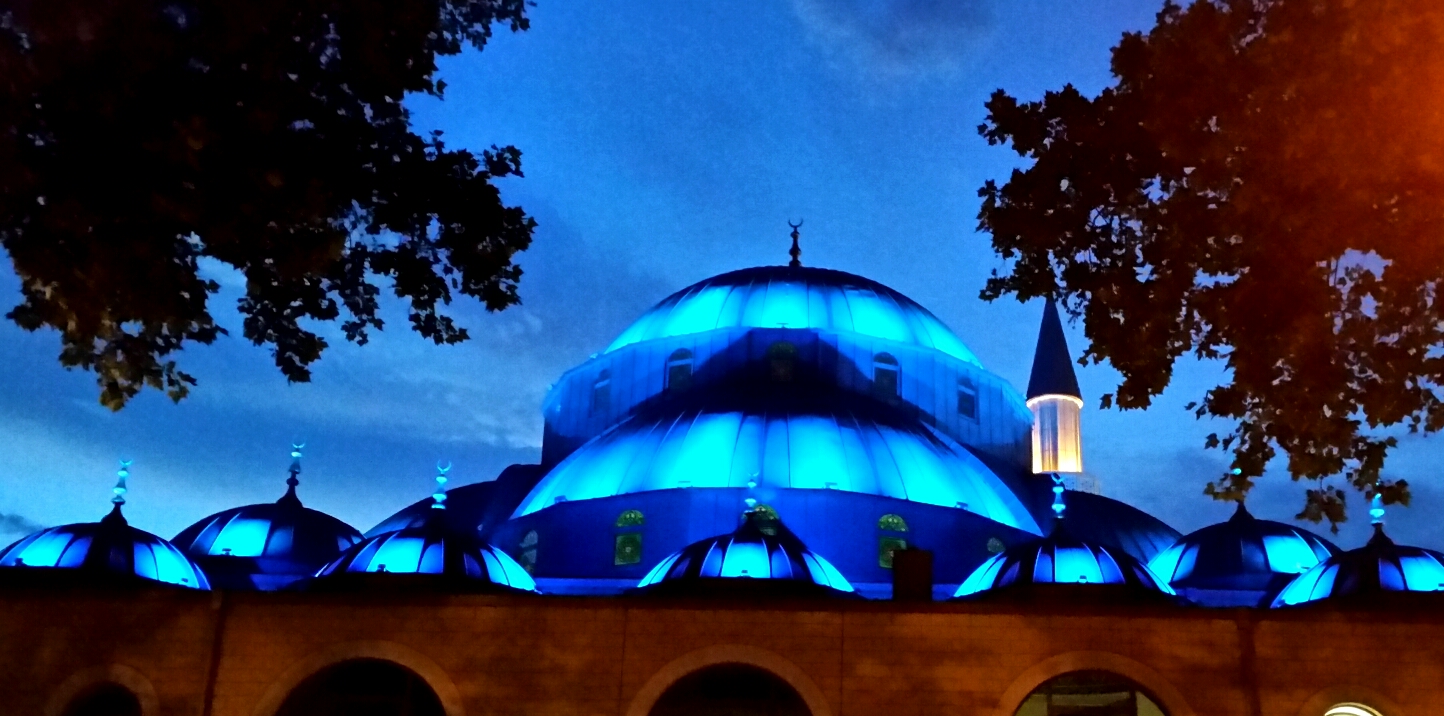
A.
x: 1263, y: 185
x: 139, y: 136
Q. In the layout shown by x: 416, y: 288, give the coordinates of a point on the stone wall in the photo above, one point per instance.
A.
x: 556, y: 656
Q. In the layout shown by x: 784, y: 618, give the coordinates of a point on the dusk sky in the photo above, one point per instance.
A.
x: 662, y: 143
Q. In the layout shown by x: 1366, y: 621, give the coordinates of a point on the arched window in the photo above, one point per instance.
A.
x: 527, y: 551
x: 1089, y: 693
x: 967, y: 398
x: 782, y: 360
x: 601, y: 394
x: 627, y: 549
x: 1351, y: 710
x: 679, y: 370
x: 363, y: 686
x: 890, y: 538
x: 730, y: 690
x: 105, y: 699
x: 885, y: 375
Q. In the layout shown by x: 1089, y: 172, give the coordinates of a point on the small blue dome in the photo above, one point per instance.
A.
x: 1060, y: 558
x: 431, y: 549
x: 842, y: 449
x: 759, y: 549
x: 795, y: 297
x: 1243, y: 554
x: 108, y: 548
x: 1379, y: 566
x: 266, y: 545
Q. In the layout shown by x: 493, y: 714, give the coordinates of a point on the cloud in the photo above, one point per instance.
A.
x: 899, y: 37
x: 11, y: 524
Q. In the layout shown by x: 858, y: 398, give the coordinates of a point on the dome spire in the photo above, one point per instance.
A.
x: 1055, y: 400
x: 294, y: 477
x: 439, y: 497
x: 1058, y: 505
x: 796, y: 251
x: 115, y: 517
x: 1052, y: 365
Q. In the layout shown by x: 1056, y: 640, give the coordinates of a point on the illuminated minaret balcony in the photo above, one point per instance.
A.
x: 1055, y: 400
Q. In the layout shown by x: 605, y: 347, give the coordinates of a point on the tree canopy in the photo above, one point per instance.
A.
x: 140, y: 138
x: 1263, y: 184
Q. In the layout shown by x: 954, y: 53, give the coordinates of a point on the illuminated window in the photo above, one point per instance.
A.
x: 1351, y: 710
x: 627, y: 548
x: 885, y: 375
x: 104, y: 700
x: 1089, y: 693
x: 890, y: 538
x: 782, y: 359
x: 892, y: 523
x: 967, y: 398
x: 679, y: 370
x: 528, y: 551
x: 369, y: 686
x: 601, y: 394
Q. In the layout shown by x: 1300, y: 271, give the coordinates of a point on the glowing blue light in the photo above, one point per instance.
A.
x: 746, y: 559
x: 1290, y: 554
x: 420, y: 550
x: 1313, y: 584
x: 748, y: 553
x: 777, y: 297
x: 1059, y: 559
x: 68, y: 546
x: 982, y: 578
x: 242, y: 537
x: 1422, y: 572
x: 840, y: 450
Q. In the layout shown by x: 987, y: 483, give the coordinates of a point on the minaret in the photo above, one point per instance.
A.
x: 1054, y: 398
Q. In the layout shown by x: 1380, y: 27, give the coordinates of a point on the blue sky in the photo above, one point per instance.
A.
x: 662, y: 143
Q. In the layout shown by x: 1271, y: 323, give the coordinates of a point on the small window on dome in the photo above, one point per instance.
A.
x: 628, y: 549
x: 601, y: 394
x: 631, y: 518
x: 782, y: 360
x: 527, y: 551
x: 892, y: 523
x: 679, y: 370
x: 891, y: 538
x: 967, y: 398
x: 885, y: 375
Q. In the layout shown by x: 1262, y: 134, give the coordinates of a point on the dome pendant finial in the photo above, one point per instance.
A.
x: 439, y: 497
x: 1376, y: 507
x: 796, y: 251
x: 295, y: 470
x: 120, y: 488
x: 1058, y: 506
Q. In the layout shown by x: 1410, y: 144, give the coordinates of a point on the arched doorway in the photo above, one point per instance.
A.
x: 363, y: 687
x: 105, y: 699
x: 1351, y: 710
x: 730, y: 690
x: 1089, y: 693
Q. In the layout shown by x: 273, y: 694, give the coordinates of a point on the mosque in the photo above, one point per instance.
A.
x: 783, y: 490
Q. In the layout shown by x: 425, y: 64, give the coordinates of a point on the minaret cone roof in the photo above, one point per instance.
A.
x: 1052, y: 365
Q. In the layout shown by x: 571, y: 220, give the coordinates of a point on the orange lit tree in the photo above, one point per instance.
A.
x: 1263, y: 185
x: 140, y: 137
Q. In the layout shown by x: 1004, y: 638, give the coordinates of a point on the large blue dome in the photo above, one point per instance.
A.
x: 826, y: 448
x: 1061, y: 558
x: 109, y: 548
x: 1244, y: 555
x: 1377, y: 567
x: 760, y: 548
x: 795, y: 297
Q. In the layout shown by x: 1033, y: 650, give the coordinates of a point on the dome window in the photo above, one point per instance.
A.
x: 527, y: 549
x: 885, y: 376
x: 967, y: 398
x: 782, y: 360
x: 679, y: 370
x: 601, y: 394
x: 627, y: 549
x: 890, y: 538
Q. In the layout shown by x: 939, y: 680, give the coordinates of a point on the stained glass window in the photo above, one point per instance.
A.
x: 628, y: 549
x: 892, y: 523
x: 630, y: 518
x: 886, y: 546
